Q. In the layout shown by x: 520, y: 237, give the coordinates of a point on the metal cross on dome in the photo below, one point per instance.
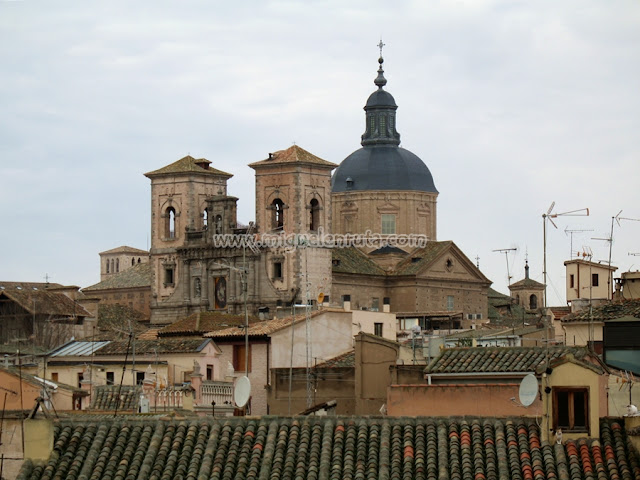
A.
x: 380, y: 45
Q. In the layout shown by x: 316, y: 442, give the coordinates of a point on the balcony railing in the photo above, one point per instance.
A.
x: 214, y: 391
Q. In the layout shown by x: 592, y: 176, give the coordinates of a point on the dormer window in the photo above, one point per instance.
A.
x: 349, y: 183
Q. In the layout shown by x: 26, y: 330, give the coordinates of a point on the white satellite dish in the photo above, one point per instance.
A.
x: 528, y: 389
x: 242, y: 391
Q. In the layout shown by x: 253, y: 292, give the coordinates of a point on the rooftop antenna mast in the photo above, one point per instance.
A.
x: 569, y: 232
x: 609, y: 239
x: 582, y: 212
x: 506, y: 257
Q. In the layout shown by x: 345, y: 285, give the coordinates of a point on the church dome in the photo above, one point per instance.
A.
x: 381, y: 164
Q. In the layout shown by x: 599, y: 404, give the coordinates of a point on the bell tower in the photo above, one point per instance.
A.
x: 181, y: 195
x: 293, y: 199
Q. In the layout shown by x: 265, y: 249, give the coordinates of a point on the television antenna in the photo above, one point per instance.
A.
x: 569, y: 232
x: 582, y: 212
x: 506, y: 257
x: 609, y: 239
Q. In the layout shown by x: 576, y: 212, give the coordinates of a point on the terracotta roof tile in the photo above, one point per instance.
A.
x: 500, y: 359
x: 105, y: 397
x: 44, y: 302
x: 138, y: 276
x: 352, y: 260
x: 293, y: 154
x: 188, y: 164
x: 126, y: 249
x: 346, y: 359
x: 161, y: 345
x: 331, y: 448
x: 607, y: 311
x: 203, y: 322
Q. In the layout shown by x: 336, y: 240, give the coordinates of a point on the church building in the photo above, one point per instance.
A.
x: 203, y: 260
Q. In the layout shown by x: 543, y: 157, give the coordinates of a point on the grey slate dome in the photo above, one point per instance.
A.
x: 381, y: 164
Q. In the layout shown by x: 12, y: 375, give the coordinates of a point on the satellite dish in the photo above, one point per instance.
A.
x: 242, y: 391
x: 320, y: 297
x: 528, y: 389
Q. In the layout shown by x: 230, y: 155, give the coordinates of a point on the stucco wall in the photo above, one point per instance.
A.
x: 578, y: 333
x: 492, y: 400
x: 331, y: 335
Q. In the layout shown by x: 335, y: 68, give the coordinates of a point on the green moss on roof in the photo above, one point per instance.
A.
x: 189, y: 164
x: 204, y: 322
x: 352, y: 260
x: 138, y: 276
x: 419, y: 259
x: 607, y: 311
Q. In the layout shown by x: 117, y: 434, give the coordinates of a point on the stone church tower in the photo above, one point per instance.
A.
x: 180, y: 193
x: 382, y: 187
x: 293, y: 197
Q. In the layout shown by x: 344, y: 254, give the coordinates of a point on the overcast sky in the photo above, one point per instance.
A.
x: 512, y: 106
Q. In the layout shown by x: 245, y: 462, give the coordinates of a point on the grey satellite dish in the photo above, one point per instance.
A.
x: 242, y: 391
x: 528, y: 389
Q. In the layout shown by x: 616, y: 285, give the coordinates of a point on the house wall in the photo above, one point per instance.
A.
x: 328, y: 383
x: 137, y: 298
x: 374, y: 358
x: 570, y: 374
x: 490, y: 400
x: 364, y: 321
x: 618, y: 395
x: 582, y: 288
x: 577, y: 333
x: 123, y: 259
x: 259, y: 374
x: 331, y: 335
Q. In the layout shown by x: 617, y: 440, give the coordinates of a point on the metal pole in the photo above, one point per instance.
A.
x: 544, y: 256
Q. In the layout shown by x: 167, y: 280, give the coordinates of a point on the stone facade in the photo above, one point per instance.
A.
x: 120, y: 259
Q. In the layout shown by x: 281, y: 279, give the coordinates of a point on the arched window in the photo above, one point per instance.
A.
x: 133, y: 262
x: 218, y: 224
x: 138, y: 259
x: 314, y: 221
x: 205, y: 219
x: 113, y: 266
x: 170, y: 223
x: 107, y: 266
x: 117, y: 265
x: 533, y: 302
x: 518, y: 299
x: 277, y: 222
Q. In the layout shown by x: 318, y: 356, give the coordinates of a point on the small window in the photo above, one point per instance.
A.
x: 239, y: 358
x: 375, y: 304
x: 595, y: 280
x: 205, y: 219
x: 170, y: 223
x: 314, y: 220
x: 572, y: 280
x: 277, y: 218
x: 277, y: 270
x: 377, y: 329
x: 168, y: 276
x: 533, y: 302
x: 450, y: 302
x: 209, y: 372
x: 108, y: 266
x: 139, y: 378
x: 133, y: 262
x: 478, y: 316
x: 571, y: 409
x: 138, y: 259
x: 388, y: 224
x: 117, y: 265
x: 54, y: 376
x: 80, y: 379
x: 110, y: 378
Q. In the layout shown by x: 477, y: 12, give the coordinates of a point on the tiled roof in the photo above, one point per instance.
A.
x: 607, y: 311
x: 328, y: 448
x: 105, y: 397
x: 161, y: 345
x: 44, y: 302
x: 188, y: 164
x: 266, y: 328
x: 138, y: 276
x: 526, y: 283
x: 78, y: 349
x: 119, y: 319
x: 125, y: 249
x: 203, y: 322
x: 419, y: 259
x: 352, y: 260
x: 347, y: 359
x: 499, y: 359
x: 293, y: 154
